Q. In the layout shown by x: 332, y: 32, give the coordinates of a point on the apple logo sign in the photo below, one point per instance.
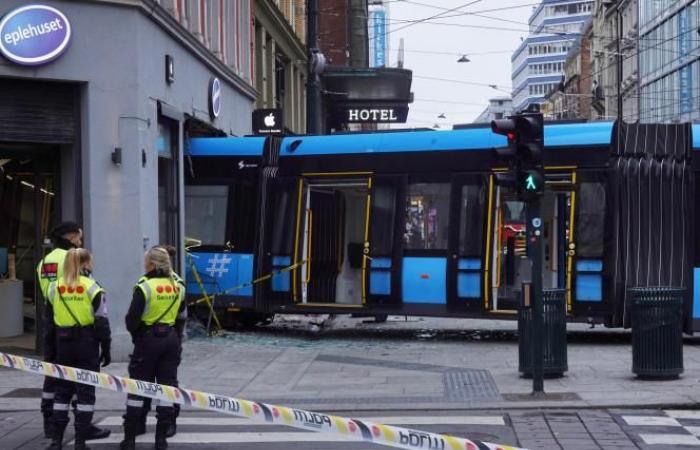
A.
x: 270, y: 120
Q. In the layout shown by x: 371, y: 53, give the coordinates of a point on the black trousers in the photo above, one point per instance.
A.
x: 48, y: 394
x: 82, y: 352
x: 49, y: 391
x: 147, y: 401
x: 155, y: 359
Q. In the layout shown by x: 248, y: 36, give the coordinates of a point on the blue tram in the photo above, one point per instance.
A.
x: 413, y: 222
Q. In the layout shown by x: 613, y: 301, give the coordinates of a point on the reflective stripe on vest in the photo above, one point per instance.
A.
x: 159, y: 293
x: 50, y: 268
x: 79, y: 300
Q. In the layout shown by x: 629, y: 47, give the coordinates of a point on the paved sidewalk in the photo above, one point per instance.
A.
x: 416, y: 365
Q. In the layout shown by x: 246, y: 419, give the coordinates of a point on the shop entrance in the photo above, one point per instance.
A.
x: 29, y: 208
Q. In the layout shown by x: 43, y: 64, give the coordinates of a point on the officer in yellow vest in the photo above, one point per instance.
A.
x: 65, y: 236
x: 78, y: 306
x: 172, y: 429
x: 156, y: 321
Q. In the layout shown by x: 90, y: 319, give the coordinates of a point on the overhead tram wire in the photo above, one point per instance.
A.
x: 457, y: 8
x: 471, y: 83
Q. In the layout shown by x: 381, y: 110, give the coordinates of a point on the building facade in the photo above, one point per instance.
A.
x: 669, y: 61
x: 614, y: 56
x: 572, y: 99
x: 498, y: 108
x: 95, y: 129
x: 281, y: 59
x: 538, y: 63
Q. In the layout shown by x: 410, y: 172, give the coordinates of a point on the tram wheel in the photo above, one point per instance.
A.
x: 381, y: 318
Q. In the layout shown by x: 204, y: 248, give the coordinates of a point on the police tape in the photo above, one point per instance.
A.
x: 352, y: 429
x: 242, y: 285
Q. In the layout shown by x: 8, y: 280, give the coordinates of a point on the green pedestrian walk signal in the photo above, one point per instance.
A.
x: 531, y: 184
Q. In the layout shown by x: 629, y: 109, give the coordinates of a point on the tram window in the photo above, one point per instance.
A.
x: 243, y: 216
x: 383, y: 213
x: 514, y: 212
x: 591, y: 220
x: 205, y: 213
x: 427, y: 216
x: 282, y: 231
x: 471, y: 220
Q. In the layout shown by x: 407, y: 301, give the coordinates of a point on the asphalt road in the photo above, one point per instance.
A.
x: 534, y: 429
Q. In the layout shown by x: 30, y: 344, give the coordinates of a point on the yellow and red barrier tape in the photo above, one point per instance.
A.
x: 279, y: 415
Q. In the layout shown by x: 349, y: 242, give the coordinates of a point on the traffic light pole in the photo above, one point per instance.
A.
x: 534, y: 238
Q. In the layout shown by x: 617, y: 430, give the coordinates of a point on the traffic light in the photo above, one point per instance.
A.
x: 530, y: 143
x: 523, y: 154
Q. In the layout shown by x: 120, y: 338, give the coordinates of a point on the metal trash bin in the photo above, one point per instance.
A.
x: 553, y: 335
x: 657, y: 336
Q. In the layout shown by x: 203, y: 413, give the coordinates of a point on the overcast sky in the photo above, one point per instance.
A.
x: 488, y: 49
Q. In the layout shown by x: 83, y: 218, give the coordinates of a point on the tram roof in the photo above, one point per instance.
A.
x: 226, y: 146
x: 555, y: 135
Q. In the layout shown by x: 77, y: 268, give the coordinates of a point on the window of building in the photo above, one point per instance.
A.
x: 215, y: 18
x: 167, y: 145
x: 231, y: 21
x: 427, y: 216
x: 280, y: 81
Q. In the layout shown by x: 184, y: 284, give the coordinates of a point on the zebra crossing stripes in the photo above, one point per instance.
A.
x: 391, y: 420
x: 667, y: 427
x: 213, y: 430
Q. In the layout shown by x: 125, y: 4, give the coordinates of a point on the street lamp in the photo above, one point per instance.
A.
x: 463, y: 59
x: 441, y: 116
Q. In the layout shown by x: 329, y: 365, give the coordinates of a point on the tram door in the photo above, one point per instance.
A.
x: 333, y: 234
x: 510, y: 266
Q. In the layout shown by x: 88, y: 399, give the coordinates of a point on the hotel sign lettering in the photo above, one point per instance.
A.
x: 375, y: 115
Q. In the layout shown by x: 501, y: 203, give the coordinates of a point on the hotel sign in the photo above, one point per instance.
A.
x: 394, y: 114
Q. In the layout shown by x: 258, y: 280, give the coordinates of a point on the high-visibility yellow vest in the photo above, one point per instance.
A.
x: 50, y: 269
x: 159, y: 294
x: 178, y: 279
x: 78, y: 299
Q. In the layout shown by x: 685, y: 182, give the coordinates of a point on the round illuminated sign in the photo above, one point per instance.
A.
x: 34, y: 34
x: 214, y: 98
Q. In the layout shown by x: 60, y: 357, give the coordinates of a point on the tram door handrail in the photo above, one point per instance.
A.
x: 309, y: 245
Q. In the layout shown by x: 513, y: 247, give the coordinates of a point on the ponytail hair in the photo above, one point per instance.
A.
x: 160, y: 259
x: 76, y: 260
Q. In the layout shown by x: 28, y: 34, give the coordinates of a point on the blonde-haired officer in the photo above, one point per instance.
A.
x: 77, y: 304
x: 64, y: 236
x: 156, y: 320
x: 172, y: 429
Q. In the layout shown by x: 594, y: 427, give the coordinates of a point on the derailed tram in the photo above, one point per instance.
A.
x: 413, y: 223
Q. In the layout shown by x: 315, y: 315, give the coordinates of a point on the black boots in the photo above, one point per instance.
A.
x: 171, y: 431
x: 56, y: 438
x: 48, y: 425
x: 80, y: 443
x: 96, y: 433
x: 130, y: 432
x: 161, y: 435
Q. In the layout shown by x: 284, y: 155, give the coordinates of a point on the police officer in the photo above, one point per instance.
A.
x: 65, y: 236
x: 172, y: 429
x: 78, y: 306
x: 156, y: 320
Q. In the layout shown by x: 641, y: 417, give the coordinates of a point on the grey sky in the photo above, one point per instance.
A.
x: 460, y: 103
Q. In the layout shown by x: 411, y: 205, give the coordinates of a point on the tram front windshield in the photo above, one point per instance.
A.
x: 205, y: 213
